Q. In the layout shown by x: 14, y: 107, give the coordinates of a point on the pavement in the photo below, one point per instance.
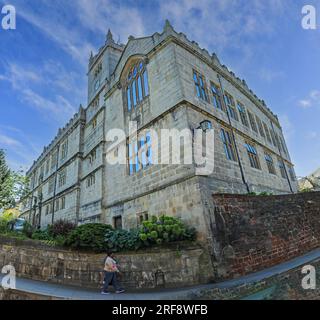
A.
x: 78, y: 293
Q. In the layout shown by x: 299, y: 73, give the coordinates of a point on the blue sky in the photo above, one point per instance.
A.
x: 43, y: 62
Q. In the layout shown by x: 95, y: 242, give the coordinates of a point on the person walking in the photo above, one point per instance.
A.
x: 111, y: 272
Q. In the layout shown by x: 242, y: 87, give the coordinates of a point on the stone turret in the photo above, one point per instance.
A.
x: 109, y: 38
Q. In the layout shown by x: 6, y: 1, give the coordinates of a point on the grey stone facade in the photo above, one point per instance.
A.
x: 86, y: 188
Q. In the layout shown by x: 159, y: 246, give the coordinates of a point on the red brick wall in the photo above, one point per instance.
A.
x: 256, y: 232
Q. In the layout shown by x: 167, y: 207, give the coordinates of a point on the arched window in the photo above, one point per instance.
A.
x: 137, y: 88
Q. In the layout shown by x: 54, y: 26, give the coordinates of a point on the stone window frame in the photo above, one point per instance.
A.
x: 216, y: 96
x: 139, y: 153
x: 292, y: 173
x: 41, y: 174
x: 92, y: 156
x: 243, y: 114
x: 47, y: 166
x: 270, y: 163
x: 267, y: 131
x: 283, y: 145
x: 231, y: 106
x: 97, y: 70
x: 62, y: 180
x: 252, y: 121
x: 57, y: 205
x: 273, y: 138
x: 64, y: 149
x: 228, y: 144
x: 141, y: 217
x: 200, y: 85
x: 50, y: 185
x: 253, y: 156
x: 116, y: 223
x: 260, y: 127
x: 54, y: 159
x: 282, y: 168
x: 91, y: 180
x: 63, y: 203
x: 94, y: 123
x: 136, y: 87
x: 49, y: 209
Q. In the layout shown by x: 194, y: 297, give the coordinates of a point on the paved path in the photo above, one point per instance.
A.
x: 76, y: 293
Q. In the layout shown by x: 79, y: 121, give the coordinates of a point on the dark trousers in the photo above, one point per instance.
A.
x: 110, y: 278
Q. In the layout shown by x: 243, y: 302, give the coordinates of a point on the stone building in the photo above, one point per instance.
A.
x: 163, y: 81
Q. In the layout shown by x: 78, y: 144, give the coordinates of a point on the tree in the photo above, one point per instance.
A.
x: 13, y: 185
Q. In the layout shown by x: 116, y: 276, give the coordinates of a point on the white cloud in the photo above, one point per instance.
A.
x: 50, y: 78
x: 19, y: 148
x: 312, y: 100
x: 223, y: 23
x: 287, y: 126
x: 8, y: 141
x: 269, y: 75
x: 100, y: 15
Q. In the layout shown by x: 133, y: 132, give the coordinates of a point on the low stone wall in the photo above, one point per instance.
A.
x: 179, y: 266
x: 283, y: 286
x: 256, y: 232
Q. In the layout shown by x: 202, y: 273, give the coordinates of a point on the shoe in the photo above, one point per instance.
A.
x: 120, y: 291
x: 103, y: 292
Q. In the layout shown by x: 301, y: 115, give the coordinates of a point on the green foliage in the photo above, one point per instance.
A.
x: 119, y: 240
x: 28, y: 229
x: 89, y: 236
x: 264, y: 193
x: 61, y: 228
x: 41, y: 235
x: 13, y: 185
x: 305, y: 190
x: 165, y: 229
x: 4, y: 228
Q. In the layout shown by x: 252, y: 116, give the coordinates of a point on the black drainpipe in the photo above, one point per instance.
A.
x: 285, y: 167
x: 55, y: 183
x: 233, y: 137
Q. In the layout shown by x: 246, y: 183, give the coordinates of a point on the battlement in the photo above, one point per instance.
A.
x: 62, y: 132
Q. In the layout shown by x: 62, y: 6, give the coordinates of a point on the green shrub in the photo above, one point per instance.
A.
x: 61, y: 228
x: 89, y: 236
x: 41, y: 235
x: 165, y: 229
x: 3, y: 226
x: 119, y: 240
x: 28, y: 229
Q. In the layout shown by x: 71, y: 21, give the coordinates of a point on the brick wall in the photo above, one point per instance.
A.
x: 256, y: 232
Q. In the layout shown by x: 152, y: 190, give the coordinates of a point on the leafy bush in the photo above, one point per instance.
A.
x: 3, y: 226
x: 41, y: 235
x: 89, y: 236
x: 61, y: 228
x: 118, y: 240
x: 165, y: 229
x: 28, y: 229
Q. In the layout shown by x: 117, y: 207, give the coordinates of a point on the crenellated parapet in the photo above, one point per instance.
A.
x: 80, y: 116
x: 214, y: 60
x: 168, y: 32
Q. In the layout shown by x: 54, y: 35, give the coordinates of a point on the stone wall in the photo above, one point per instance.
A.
x: 256, y: 232
x: 282, y: 286
x: 179, y: 266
